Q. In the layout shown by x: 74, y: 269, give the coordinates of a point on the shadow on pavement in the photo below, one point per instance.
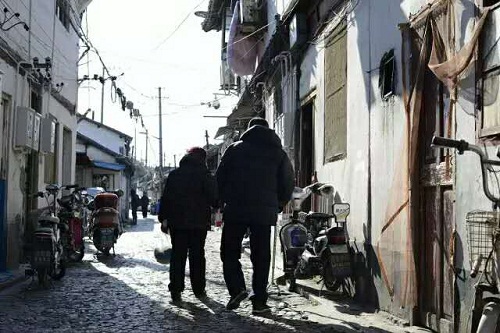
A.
x: 88, y: 299
x: 143, y: 225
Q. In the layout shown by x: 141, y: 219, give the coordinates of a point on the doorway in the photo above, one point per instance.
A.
x: 434, y: 211
x: 67, y: 155
x: 31, y: 169
x: 306, y: 149
x: 4, y: 151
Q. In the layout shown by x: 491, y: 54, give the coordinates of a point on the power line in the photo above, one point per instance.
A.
x: 179, y: 25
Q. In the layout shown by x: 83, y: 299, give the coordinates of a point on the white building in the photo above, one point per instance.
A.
x: 39, y: 53
x: 102, y: 159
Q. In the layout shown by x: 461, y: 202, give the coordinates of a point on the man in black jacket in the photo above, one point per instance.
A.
x: 255, y: 180
x: 189, y: 192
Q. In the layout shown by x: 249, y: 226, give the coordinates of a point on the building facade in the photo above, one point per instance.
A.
x: 357, y: 90
x: 103, y: 160
x: 39, y: 55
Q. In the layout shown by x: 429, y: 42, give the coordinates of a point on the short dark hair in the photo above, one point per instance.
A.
x: 197, y: 152
x: 258, y: 121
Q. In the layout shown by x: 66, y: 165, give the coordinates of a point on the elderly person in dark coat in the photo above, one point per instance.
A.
x: 189, y: 193
x: 255, y: 180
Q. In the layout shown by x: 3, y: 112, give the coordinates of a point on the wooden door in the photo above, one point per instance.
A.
x: 435, y: 218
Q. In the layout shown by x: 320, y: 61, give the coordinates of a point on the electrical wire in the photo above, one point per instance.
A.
x: 179, y: 25
x: 31, y: 30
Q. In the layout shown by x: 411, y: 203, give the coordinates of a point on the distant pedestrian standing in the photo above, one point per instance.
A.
x: 189, y: 192
x: 144, y: 204
x: 134, y: 204
x: 255, y: 180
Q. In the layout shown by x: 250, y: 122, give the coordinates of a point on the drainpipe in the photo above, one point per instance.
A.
x: 368, y: 240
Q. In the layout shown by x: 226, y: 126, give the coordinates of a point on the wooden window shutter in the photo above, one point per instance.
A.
x: 336, y: 94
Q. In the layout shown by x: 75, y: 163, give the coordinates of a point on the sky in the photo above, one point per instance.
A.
x: 133, y: 38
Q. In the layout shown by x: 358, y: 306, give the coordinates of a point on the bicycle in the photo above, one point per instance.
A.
x: 483, y: 234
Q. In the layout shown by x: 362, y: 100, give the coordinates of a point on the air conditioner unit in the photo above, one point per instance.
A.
x: 23, y: 137
x: 250, y: 15
x: 47, y: 136
x: 227, y: 78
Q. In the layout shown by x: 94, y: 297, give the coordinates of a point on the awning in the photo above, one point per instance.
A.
x: 224, y: 130
x: 243, y: 112
x: 213, y: 21
x: 108, y: 166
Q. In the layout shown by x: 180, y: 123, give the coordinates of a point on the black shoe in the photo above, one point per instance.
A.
x: 235, y: 301
x: 176, y: 297
x: 201, y: 295
x: 260, y: 308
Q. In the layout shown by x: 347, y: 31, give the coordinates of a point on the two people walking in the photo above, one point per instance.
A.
x: 135, y: 202
x: 254, y: 182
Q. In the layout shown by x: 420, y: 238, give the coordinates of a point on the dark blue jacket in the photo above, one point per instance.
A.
x: 255, y: 178
x: 189, y: 192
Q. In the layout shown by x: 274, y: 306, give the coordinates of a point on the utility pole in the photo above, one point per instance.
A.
x: 147, y: 147
x: 102, y: 96
x: 147, y: 139
x: 175, y: 163
x: 206, y: 138
x: 161, y: 137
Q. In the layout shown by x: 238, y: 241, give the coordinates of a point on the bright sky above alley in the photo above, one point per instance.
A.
x: 155, y: 43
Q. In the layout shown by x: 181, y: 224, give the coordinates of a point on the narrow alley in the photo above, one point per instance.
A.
x: 128, y: 293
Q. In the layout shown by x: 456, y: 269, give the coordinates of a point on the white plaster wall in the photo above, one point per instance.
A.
x: 38, y: 43
x: 98, y: 155
x: 105, y: 137
x: 43, y: 32
x: 348, y: 176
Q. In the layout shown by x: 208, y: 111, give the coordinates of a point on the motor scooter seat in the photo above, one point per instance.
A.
x: 43, y: 231
x: 49, y: 219
x: 318, y: 216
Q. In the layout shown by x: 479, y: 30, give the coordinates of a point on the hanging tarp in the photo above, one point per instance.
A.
x: 242, y: 50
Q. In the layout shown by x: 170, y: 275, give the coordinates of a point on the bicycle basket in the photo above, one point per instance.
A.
x: 480, y: 227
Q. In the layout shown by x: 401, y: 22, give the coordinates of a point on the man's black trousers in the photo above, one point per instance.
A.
x: 260, y: 255
x: 184, y: 241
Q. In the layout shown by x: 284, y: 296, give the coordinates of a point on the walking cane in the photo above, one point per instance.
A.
x: 273, y: 283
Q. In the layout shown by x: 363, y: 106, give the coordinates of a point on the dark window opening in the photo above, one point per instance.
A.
x: 386, y: 75
x: 487, y: 3
x: 62, y: 11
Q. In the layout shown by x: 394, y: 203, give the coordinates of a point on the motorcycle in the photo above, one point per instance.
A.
x: 47, y: 257
x: 311, y: 246
x: 72, y: 214
x: 105, y: 225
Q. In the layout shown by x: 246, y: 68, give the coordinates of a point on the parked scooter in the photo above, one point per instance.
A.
x: 72, y: 214
x: 47, y: 257
x: 105, y: 224
x: 311, y: 246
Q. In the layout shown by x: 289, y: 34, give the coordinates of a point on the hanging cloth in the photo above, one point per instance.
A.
x: 242, y: 50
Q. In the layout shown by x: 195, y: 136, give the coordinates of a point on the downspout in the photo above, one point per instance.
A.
x: 368, y: 236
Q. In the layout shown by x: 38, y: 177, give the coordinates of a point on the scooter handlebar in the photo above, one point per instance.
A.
x: 460, y: 145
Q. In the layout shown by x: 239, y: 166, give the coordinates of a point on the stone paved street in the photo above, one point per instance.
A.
x: 128, y: 293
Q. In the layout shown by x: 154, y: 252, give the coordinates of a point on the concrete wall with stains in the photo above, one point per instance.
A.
x: 376, y: 133
x: 47, y: 38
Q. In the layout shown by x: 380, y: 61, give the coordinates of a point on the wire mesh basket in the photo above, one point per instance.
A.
x: 480, y: 228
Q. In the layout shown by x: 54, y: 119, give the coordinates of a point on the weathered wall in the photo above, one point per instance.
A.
x: 379, y: 126
x: 107, y: 138
x: 47, y: 38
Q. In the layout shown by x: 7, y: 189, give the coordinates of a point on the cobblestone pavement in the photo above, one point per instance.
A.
x: 128, y: 293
